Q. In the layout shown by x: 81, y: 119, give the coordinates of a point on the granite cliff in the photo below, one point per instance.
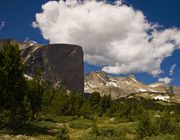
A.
x: 60, y: 64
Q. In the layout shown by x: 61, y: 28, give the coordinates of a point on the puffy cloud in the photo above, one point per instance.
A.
x: 34, y: 24
x: 165, y: 80
x: 116, y: 36
x: 2, y: 24
x: 172, y: 68
x: 118, y: 2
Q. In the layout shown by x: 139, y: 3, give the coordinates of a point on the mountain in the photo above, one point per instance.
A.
x: 119, y: 87
x: 60, y: 64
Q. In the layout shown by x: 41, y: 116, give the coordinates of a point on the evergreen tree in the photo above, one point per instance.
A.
x: 145, y: 126
x: 59, y: 102
x: 74, y: 104
x: 12, y: 82
x: 35, y: 94
x: 105, y: 103
x: 95, y: 100
x: 86, y: 109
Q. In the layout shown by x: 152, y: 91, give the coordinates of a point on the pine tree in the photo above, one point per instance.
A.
x: 95, y: 100
x: 35, y: 94
x: 12, y: 82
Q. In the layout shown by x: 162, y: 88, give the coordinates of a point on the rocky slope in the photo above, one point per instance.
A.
x: 61, y: 64
x: 125, y: 86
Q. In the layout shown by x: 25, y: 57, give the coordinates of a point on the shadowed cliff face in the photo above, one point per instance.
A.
x: 65, y: 62
x: 60, y: 64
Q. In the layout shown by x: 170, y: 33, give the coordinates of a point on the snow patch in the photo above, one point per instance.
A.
x: 155, y: 85
x: 152, y: 90
x: 28, y: 77
x: 113, y: 80
x: 134, y: 80
x: 142, y: 90
x: 86, y: 88
x: 108, y: 83
x: 161, y: 97
x: 92, y: 86
x: 146, y: 90
x: 31, y: 44
x: 111, y: 84
x: 101, y: 78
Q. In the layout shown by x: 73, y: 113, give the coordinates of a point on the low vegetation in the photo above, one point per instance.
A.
x: 34, y: 109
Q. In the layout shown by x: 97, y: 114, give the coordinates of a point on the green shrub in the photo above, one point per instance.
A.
x: 92, y: 137
x: 105, y: 133
x: 177, y: 134
x: 166, y: 125
x: 161, y: 137
x: 15, y: 123
x: 152, y: 126
x: 79, y: 125
x: 94, y: 128
x: 63, y: 134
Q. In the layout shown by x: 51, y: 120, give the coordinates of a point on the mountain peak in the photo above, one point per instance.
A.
x: 98, y: 73
x: 119, y: 86
x: 131, y: 77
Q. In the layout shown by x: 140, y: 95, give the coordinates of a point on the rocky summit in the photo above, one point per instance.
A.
x: 60, y: 64
x: 129, y: 87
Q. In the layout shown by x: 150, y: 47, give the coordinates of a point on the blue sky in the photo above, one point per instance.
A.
x: 18, y: 16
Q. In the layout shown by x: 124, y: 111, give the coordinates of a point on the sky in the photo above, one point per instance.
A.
x: 119, y: 37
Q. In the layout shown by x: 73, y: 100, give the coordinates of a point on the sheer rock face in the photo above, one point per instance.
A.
x: 60, y: 64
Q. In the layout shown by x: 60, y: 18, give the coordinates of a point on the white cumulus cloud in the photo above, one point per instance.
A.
x: 165, y: 80
x: 2, y: 24
x: 116, y: 36
x: 172, y: 68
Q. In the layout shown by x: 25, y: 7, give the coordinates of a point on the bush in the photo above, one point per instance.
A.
x: 152, y: 126
x: 166, y: 125
x: 92, y: 137
x: 105, y: 133
x: 104, y: 136
x: 94, y: 128
x: 145, y: 126
x: 79, y: 125
x: 15, y: 123
x: 63, y: 134
x: 161, y: 137
x: 177, y: 134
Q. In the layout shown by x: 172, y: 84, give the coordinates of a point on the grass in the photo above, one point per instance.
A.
x: 80, y: 124
x: 48, y: 127
x: 161, y: 137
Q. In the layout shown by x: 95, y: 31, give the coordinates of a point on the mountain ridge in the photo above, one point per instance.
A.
x: 119, y: 87
x: 62, y: 65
